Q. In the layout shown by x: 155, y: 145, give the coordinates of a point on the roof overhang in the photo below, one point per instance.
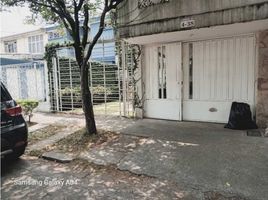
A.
x: 202, y: 33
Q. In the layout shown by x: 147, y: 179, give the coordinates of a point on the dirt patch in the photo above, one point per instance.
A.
x: 44, y: 133
x: 79, y: 141
x: 35, y: 153
x: 211, y: 195
x: 29, y: 124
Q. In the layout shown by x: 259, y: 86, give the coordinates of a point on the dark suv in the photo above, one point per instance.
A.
x: 14, y: 131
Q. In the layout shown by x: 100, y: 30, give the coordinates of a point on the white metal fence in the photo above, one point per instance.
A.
x: 111, y: 85
x: 65, y: 87
x: 25, y: 80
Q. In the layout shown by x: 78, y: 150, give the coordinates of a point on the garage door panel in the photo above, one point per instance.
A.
x: 223, y: 72
x: 162, y: 81
x: 207, y: 111
x: 159, y: 109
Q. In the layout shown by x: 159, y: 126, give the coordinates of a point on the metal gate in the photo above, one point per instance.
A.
x: 111, y: 85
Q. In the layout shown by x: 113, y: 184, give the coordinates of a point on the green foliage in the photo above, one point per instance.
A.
x: 27, y: 107
x: 51, y: 50
x: 100, y: 90
x: 75, y: 91
x: 96, y: 90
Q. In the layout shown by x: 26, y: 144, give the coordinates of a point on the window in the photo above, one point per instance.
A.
x: 36, y: 44
x: 11, y: 46
x: 54, y: 35
x: 162, y: 74
x: 190, y: 71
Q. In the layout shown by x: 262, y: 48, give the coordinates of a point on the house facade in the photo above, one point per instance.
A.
x: 31, y: 45
x: 28, y: 45
x: 199, y: 56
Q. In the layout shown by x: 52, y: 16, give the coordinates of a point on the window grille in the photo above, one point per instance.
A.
x: 147, y: 3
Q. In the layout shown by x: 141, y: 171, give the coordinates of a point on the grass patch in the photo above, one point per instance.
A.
x: 43, y: 133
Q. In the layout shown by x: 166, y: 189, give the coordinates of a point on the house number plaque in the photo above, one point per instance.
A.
x: 187, y: 23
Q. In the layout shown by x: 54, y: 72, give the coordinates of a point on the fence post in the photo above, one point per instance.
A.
x: 59, y: 79
x: 46, y: 84
x: 55, y: 78
x: 119, y: 87
x: 124, y: 77
x: 104, y: 78
x: 71, y: 84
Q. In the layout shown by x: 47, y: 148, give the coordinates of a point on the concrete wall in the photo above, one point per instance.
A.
x: 166, y: 17
x: 262, y: 86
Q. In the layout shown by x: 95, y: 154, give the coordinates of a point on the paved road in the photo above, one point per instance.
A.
x: 32, y: 178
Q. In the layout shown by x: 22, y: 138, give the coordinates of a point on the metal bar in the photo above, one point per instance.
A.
x: 91, y: 83
x: 50, y: 91
x: 60, y: 95
x: 119, y: 87
x: 71, y: 84
x: 45, y: 82
x: 55, y: 80
x: 104, y: 79
x: 124, y: 77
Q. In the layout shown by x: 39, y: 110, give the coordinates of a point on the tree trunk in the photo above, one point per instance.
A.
x: 87, y: 101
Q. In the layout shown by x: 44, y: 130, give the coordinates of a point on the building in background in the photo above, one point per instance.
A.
x: 197, y: 57
x: 31, y: 45
x: 104, y: 50
x: 23, y: 69
x: 25, y: 46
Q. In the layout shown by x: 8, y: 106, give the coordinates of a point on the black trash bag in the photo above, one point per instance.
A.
x: 240, y: 117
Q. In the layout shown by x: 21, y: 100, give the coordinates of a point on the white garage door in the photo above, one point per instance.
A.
x: 216, y: 73
x: 163, y: 81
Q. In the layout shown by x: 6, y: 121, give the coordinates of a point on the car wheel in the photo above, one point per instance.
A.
x: 18, y: 152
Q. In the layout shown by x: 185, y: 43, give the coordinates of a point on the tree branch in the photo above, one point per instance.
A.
x: 85, y: 26
x: 80, y: 4
x: 97, y: 36
x: 77, y: 25
x: 107, y: 7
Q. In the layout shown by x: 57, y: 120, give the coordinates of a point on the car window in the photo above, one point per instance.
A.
x: 5, y: 96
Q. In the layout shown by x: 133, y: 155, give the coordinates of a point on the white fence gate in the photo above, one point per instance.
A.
x: 111, y: 85
x: 25, y: 80
x: 64, y: 81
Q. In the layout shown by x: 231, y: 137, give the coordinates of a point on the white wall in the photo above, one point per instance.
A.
x: 22, y: 41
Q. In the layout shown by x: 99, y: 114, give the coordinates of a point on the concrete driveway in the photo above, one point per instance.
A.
x: 202, y: 156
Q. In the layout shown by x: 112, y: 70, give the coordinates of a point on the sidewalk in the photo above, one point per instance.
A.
x: 201, y: 156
